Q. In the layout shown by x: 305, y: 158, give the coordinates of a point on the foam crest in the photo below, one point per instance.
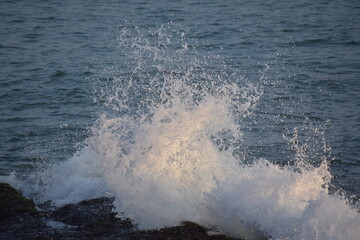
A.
x: 173, y: 169
x: 171, y: 166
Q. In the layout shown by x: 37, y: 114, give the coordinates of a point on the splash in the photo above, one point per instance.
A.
x: 163, y: 147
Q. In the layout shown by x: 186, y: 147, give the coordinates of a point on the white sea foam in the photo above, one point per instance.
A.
x: 173, y: 170
x: 168, y: 157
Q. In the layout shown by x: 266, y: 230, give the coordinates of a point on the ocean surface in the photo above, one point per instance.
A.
x: 244, y: 115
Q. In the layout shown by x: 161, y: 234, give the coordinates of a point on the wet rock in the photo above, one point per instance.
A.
x: 94, y: 216
x: 186, y: 231
x: 13, y: 204
x: 92, y: 219
x: 19, y: 218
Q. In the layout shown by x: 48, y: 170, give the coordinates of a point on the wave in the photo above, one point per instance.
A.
x: 163, y: 147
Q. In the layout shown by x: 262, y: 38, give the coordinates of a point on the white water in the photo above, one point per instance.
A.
x: 171, y: 159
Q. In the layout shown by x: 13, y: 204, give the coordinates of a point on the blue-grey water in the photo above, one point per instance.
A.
x: 67, y: 65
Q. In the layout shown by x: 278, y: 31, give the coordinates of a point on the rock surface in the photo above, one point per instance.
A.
x: 188, y: 230
x: 92, y: 219
x: 13, y: 204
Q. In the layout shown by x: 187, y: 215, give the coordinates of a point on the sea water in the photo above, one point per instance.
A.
x: 239, y: 115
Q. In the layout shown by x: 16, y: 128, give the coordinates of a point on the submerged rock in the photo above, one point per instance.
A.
x: 92, y: 219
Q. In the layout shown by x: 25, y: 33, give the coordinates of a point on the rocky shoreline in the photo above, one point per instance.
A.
x: 91, y: 219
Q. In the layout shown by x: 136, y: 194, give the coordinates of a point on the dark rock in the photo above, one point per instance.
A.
x: 186, y: 231
x: 92, y: 219
x: 95, y: 216
x: 13, y: 204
